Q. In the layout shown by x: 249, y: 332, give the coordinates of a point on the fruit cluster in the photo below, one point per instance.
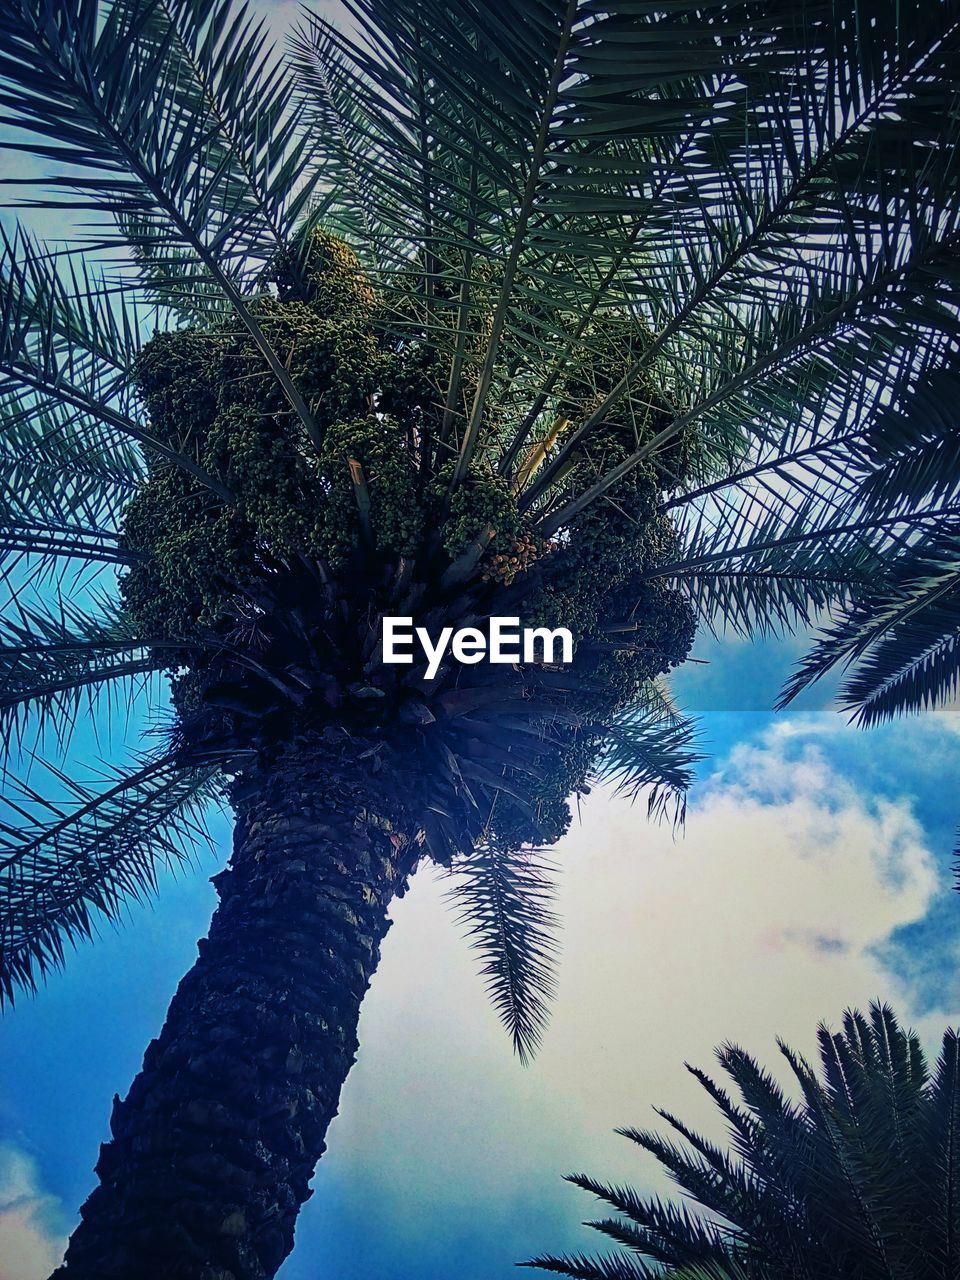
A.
x: 524, y: 549
x: 361, y: 486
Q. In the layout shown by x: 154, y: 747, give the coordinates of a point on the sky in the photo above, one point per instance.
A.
x: 814, y: 874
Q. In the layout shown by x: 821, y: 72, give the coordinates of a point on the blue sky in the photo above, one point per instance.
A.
x: 815, y: 872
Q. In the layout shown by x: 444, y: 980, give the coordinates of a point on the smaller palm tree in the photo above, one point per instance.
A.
x: 858, y: 1181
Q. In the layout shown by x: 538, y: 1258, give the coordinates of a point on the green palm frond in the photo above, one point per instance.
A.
x: 652, y: 1225
x: 504, y: 898
x: 67, y: 864
x: 897, y: 631
x: 769, y: 309
x: 37, y: 538
x: 57, y: 661
x: 780, y: 570
x: 62, y: 351
x: 173, y: 119
x: 257, y: 148
x: 336, y: 112
x: 803, y: 527
x: 944, y: 1128
x: 580, y: 1267
x: 648, y: 751
x: 911, y: 449
x: 57, y: 468
x: 731, y: 1269
x: 901, y: 638
x: 860, y: 1177
x: 182, y: 102
x: 488, y: 141
x: 94, y: 327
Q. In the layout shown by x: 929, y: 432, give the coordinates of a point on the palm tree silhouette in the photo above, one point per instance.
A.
x: 859, y: 1178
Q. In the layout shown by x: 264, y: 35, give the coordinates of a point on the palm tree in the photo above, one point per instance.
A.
x: 582, y: 312
x: 860, y: 1179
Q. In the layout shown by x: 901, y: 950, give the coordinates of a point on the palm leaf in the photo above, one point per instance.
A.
x: 902, y: 636
x: 62, y: 352
x: 56, y: 661
x: 66, y: 864
x: 857, y: 1178
x: 162, y: 102
x: 504, y: 898
x: 58, y: 468
x: 646, y: 751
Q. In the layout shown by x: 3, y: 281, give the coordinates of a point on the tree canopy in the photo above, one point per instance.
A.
x: 625, y: 315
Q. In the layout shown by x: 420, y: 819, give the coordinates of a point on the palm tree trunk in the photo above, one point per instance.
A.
x: 213, y: 1147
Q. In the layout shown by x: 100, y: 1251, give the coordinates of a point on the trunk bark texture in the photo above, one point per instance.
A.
x: 214, y: 1145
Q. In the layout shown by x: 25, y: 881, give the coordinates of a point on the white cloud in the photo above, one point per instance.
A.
x: 766, y: 918
x: 31, y: 1236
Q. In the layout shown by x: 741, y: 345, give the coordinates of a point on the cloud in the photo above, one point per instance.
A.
x: 771, y: 914
x: 32, y: 1237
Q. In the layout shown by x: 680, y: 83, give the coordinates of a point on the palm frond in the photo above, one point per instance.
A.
x: 174, y: 118
x: 62, y: 352
x: 57, y: 661
x: 654, y: 1226
x: 504, y: 898
x: 503, y: 162
x: 59, y: 468
x: 911, y: 456
x: 724, y: 264
x: 580, y: 1267
x: 945, y: 1124
x: 37, y: 538
x: 902, y: 637
x: 67, y: 864
x: 858, y: 1176
x: 645, y: 751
